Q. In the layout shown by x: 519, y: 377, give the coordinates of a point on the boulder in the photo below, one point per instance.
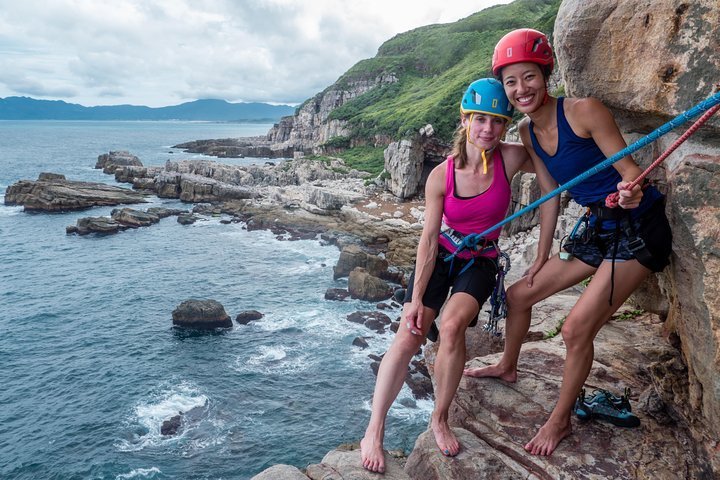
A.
x: 201, y: 315
x: 171, y: 426
x: 373, y: 320
x: 404, y: 163
x: 338, y: 294
x: 364, y: 286
x: 248, y: 316
x: 280, y: 472
x: 346, y: 464
x: 353, y: 256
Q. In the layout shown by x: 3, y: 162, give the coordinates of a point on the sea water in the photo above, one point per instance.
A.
x: 91, y: 365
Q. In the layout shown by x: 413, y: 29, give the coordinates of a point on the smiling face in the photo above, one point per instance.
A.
x: 525, y: 86
x: 485, y: 131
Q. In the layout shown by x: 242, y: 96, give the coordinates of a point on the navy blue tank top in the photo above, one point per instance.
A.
x: 576, y: 155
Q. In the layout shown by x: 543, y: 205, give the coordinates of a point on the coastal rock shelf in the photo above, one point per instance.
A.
x: 53, y: 193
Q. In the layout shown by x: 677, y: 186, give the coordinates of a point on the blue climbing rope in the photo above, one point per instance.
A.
x: 477, y: 238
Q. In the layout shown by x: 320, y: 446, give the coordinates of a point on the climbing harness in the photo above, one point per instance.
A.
x: 476, y: 245
x: 498, y: 299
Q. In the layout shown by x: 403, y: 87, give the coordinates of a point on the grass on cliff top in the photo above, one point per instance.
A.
x: 365, y: 159
x: 433, y: 65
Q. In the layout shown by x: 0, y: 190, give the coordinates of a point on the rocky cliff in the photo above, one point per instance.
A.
x: 650, y: 61
x: 310, y: 127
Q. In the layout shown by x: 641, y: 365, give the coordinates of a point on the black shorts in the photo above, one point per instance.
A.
x: 478, y: 280
x: 652, y: 226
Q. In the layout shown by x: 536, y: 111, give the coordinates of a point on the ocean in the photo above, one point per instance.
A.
x: 92, y: 366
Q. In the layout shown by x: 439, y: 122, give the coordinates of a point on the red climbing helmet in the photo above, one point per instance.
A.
x: 523, y: 45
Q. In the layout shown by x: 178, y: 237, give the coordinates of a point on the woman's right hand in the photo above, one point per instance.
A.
x: 534, y: 268
x: 414, y: 317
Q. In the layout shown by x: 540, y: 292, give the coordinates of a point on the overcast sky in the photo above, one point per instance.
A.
x: 165, y: 52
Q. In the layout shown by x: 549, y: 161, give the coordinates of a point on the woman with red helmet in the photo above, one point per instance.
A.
x: 621, y: 246
x: 467, y: 193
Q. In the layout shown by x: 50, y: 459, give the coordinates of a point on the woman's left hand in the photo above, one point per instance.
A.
x: 629, y: 198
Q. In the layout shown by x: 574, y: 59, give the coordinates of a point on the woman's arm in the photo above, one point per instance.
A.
x: 428, y: 247
x: 588, y: 117
x: 548, y: 210
x: 516, y: 158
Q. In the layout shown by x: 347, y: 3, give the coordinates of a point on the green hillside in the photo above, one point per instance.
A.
x: 434, y: 64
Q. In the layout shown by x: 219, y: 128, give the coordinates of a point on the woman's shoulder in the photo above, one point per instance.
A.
x: 583, y: 106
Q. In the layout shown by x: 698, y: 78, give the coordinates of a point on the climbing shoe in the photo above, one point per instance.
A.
x: 607, y: 406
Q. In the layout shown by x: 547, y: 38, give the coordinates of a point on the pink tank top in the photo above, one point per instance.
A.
x: 476, y: 214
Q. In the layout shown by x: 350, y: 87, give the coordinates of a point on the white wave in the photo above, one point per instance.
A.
x: 7, y: 211
x: 273, y: 360
x: 139, y: 473
x: 151, y: 414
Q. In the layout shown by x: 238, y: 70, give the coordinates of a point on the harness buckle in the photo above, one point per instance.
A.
x: 636, y: 245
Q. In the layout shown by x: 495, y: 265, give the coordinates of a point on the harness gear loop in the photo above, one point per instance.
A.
x: 612, y: 200
x: 498, y: 298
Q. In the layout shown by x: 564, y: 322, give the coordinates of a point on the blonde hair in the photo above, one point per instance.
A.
x: 459, y: 151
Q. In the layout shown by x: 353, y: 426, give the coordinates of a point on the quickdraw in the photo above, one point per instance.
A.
x: 498, y: 299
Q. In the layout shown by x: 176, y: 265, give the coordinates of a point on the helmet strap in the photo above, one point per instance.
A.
x: 482, y: 153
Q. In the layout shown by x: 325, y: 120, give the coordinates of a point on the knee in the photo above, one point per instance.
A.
x: 574, y: 336
x: 517, y: 297
x: 407, y: 343
x: 452, y: 330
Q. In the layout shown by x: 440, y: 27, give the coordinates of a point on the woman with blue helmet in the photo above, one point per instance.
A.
x: 467, y: 193
x: 565, y: 137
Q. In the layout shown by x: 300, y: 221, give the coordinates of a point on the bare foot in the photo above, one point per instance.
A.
x: 445, y: 438
x: 547, y: 438
x: 493, y: 371
x: 373, y: 457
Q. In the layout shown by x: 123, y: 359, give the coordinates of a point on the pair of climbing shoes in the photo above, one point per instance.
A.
x: 605, y: 405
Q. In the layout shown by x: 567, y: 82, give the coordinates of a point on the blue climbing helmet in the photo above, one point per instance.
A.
x: 487, y: 95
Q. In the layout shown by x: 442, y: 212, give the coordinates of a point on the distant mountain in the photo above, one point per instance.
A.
x: 25, y: 108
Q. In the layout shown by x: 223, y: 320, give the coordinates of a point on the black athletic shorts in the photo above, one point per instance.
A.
x: 652, y: 226
x: 478, y: 280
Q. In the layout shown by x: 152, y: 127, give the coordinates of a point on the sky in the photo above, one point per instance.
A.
x: 166, y: 52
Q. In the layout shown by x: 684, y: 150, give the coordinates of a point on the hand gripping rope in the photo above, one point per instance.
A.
x: 612, y: 200
x: 710, y: 106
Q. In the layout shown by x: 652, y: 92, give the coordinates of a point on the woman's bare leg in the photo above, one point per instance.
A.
x: 581, y: 326
x: 390, y: 378
x: 458, y: 312
x: 556, y: 275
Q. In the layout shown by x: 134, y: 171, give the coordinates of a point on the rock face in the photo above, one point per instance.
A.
x: 646, y: 82
x: 54, y: 194
x: 653, y: 59
x: 201, y: 315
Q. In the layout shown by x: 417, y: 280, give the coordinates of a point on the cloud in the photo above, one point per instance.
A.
x: 163, y: 52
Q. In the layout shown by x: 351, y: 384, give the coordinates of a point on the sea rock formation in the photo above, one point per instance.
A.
x: 53, y: 193
x: 121, y: 219
x: 110, y: 162
x: 201, y: 315
x: 650, y: 61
